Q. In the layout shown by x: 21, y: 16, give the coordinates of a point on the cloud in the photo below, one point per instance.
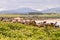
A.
x: 35, y: 4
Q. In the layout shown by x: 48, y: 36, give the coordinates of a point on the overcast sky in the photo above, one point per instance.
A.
x: 34, y: 4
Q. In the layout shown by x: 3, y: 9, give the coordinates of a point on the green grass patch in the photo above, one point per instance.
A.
x: 18, y: 31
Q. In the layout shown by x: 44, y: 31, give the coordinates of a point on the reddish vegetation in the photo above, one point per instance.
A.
x: 29, y: 22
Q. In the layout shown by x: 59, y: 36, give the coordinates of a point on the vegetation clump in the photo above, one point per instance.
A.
x: 18, y: 31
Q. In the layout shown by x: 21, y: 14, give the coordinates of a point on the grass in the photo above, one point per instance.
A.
x: 40, y: 16
x: 18, y: 31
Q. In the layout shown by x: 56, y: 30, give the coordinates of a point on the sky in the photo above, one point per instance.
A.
x: 34, y: 4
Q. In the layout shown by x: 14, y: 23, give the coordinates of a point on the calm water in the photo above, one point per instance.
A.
x: 50, y: 21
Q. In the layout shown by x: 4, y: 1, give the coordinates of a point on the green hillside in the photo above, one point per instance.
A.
x: 17, y: 31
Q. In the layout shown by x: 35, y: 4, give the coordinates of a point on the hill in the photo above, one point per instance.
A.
x: 52, y: 10
x: 20, y: 10
x: 17, y: 31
